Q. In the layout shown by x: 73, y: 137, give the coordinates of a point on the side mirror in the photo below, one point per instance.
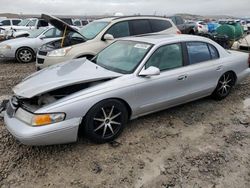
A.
x: 150, y: 71
x: 42, y: 37
x: 108, y: 37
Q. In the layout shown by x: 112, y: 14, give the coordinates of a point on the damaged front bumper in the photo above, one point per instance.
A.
x: 57, y: 133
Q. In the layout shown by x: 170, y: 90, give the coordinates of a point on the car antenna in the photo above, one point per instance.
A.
x: 64, y: 33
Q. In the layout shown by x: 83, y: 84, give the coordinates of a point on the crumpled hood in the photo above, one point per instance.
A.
x: 62, y: 75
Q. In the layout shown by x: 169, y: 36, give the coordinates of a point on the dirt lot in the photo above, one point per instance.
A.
x: 200, y: 144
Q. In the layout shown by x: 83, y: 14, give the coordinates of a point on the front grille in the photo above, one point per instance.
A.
x: 42, y: 53
x: 40, y: 61
x: 12, y: 106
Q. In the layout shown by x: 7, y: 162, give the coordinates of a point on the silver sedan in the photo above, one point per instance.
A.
x: 128, y: 79
x: 24, y: 49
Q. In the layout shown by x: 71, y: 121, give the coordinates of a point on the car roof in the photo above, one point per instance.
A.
x: 109, y: 19
x: 166, y: 38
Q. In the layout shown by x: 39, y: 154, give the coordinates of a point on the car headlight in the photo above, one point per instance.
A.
x: 59, y: 52
x: 5, y: 46
x: 39, y: 119
x: 46, y: 119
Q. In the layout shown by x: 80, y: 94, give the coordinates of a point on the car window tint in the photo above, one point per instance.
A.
x: 159, y: 25
x: 198, y: 52
x: 16, y: 22
x: 166, y: 57
x: 5, y: 22
x: 214, y: 52
x: 119, y: 30
x: 140, y: 27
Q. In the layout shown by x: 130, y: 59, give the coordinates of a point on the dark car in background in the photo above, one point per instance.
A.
x: 184, y: 27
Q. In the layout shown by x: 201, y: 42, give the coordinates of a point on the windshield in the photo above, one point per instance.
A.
x: 36, y: 32
x: 24, y: 22
x: 122, y: 56
x: 91, y: 30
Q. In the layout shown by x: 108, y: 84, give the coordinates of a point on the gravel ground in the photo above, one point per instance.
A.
x: 205, y: 143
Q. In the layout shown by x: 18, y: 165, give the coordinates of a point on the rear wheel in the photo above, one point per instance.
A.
x: 25, y: 55
x: 105, y: 121
x: 224, y: 86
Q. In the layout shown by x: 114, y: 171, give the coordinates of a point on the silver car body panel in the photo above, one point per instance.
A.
x: 143, y: 95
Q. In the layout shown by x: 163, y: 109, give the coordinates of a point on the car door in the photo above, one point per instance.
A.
x: 167, y: 89
x: 204, y: 69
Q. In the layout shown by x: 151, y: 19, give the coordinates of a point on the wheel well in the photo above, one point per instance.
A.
x: 27, y: 48
x: 119, y: 99
x: 235, y: 76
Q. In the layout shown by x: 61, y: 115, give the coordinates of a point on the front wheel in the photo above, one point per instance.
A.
x: 224, y: 86
x: 25, y: 55
x: 105, y: 121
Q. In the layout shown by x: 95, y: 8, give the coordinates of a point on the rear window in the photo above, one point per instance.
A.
x: 159, y: 25
x: 140, y: 27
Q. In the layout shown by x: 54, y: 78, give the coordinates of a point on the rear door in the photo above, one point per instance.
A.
x: 204, y: 69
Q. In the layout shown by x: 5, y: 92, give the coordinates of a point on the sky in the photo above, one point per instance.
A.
x: 239, y: 8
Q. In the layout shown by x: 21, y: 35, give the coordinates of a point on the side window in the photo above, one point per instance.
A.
x: 5, y: 22
x: 159, y: 25
x: 77, y: 23
x: 120, y: 29
x: 16, y: 22
x: 198, y: 52
x: 213, y: 51
x: 42, y: 23
x: 58, y: 33
x: 166, y: 57
x: 140, y: 27
x: 49, y: 33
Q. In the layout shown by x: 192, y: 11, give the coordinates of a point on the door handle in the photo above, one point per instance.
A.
x: 219, y: 68
x: 182, y: 77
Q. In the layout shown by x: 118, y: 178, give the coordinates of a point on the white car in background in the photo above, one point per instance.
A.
x: 24, y: 49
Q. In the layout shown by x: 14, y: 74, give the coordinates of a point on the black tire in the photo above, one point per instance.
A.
x: 224, y: 86
x: 25, y: 55
x: 105, y: 121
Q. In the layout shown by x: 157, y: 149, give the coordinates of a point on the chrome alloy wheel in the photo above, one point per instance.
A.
x: 225, y: 84
x: 107, y: 122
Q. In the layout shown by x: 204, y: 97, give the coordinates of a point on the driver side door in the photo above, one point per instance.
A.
x: 167, y: 89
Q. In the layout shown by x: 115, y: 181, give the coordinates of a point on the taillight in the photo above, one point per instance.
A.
x: 178, y: 32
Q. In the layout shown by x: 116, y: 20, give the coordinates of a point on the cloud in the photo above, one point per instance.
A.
x: 160, y: 7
